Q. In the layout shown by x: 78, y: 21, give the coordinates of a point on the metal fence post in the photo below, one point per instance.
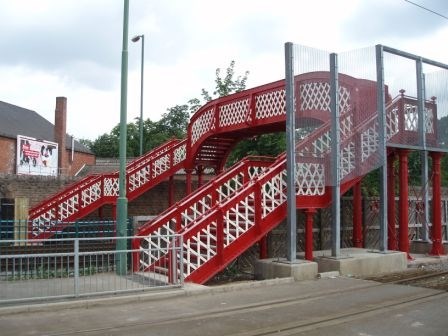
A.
x: 335, y: 159
x: 290, y: 154
x: 422, y: 141
x: 76, y: 264
x: 381, y: 107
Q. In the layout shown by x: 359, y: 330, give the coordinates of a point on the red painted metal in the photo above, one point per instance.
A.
x: 391, y: 231
x: 437, y: 245
x: 403, y: 243
x: 357, y: 216
x: 309, y: 213
x: 263, y: 243
x: 92, y: 192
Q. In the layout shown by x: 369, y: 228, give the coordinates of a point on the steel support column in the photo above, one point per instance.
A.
x: 290, y: 155
x: 422, y: 139
x: 335, y: 159
x: 309, y: 213
x: 382, y: 150
x: 357, y: 215
x: 437, y: 245
x: 391, y: 231
x: 403, y: 243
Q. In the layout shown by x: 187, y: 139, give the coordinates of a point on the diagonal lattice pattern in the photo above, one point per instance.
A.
x: 270, y: 104
x: 154, y: 246
x: 200, y: 248
x: 202, y: 125
x: 316, y: 96
x: 111, y: 186
x: 239, y: 219
x: 234, y: 113
x: 310, y: 179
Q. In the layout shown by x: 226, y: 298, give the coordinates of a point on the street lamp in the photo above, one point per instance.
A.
x: 136, y: 39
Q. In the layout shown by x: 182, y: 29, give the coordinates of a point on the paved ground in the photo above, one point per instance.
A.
x: 328, y: 306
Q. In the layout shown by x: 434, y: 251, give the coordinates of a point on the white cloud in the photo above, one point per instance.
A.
x: 73, y: 48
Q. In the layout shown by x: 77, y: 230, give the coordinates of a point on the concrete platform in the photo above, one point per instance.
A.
x: 361, y: 262
x: 281, y: 268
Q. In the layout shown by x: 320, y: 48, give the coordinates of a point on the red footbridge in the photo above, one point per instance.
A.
x: 242, y: 204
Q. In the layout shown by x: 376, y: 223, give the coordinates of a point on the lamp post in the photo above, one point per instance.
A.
x: 136, y: 39
x: 122, y: 201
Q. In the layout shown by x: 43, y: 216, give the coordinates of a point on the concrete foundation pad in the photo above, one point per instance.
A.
x: 281, y: 268
x: 361, y: 262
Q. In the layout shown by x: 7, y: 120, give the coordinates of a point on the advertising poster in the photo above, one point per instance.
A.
x: 36, y: 157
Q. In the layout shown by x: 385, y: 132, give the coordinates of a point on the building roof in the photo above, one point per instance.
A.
x: 16, y: 120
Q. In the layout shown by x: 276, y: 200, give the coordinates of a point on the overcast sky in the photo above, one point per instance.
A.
x: 72, y: 48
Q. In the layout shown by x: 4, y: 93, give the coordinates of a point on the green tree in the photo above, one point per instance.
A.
x: 227, y: 85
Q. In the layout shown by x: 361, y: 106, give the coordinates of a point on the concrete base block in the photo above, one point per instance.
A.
x: 361, y: 262
x: 281, y: 268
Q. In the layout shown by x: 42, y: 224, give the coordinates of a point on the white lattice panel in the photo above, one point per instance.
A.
x: 200, y: 248
x: 254, y: 171
x: 139, y: 178
x: 196, y: 210
x: 234, y: 113
x: 155, y: 245
x: 316, y: 96
x: 202, y: 125
x: 270, y: 104
x: 369, y: 141
x: 273, y: 193
x: 347, y: 164
x: 91, y: 194
x: 322, y: 145
x: 392, y: 125
x: 180, y: 154
x: 44, y: 222
x: 429, y: 121
x: 161, y: 165
x: 310, y: 179
x: 346, y: 126
x: 239, y: 219
x: 410, y: 117
x: 111, y: 186
x: 229, y: 187
x: 68, y: 207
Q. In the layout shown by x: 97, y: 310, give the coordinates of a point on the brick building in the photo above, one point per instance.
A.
x: 15, y: 120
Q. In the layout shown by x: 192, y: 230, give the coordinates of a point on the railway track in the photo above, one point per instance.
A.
x: 434, y: 279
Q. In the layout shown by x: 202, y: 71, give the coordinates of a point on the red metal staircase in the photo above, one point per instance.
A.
x: 83, y: 197
x: 217, y: 226
x: 213, y: 231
